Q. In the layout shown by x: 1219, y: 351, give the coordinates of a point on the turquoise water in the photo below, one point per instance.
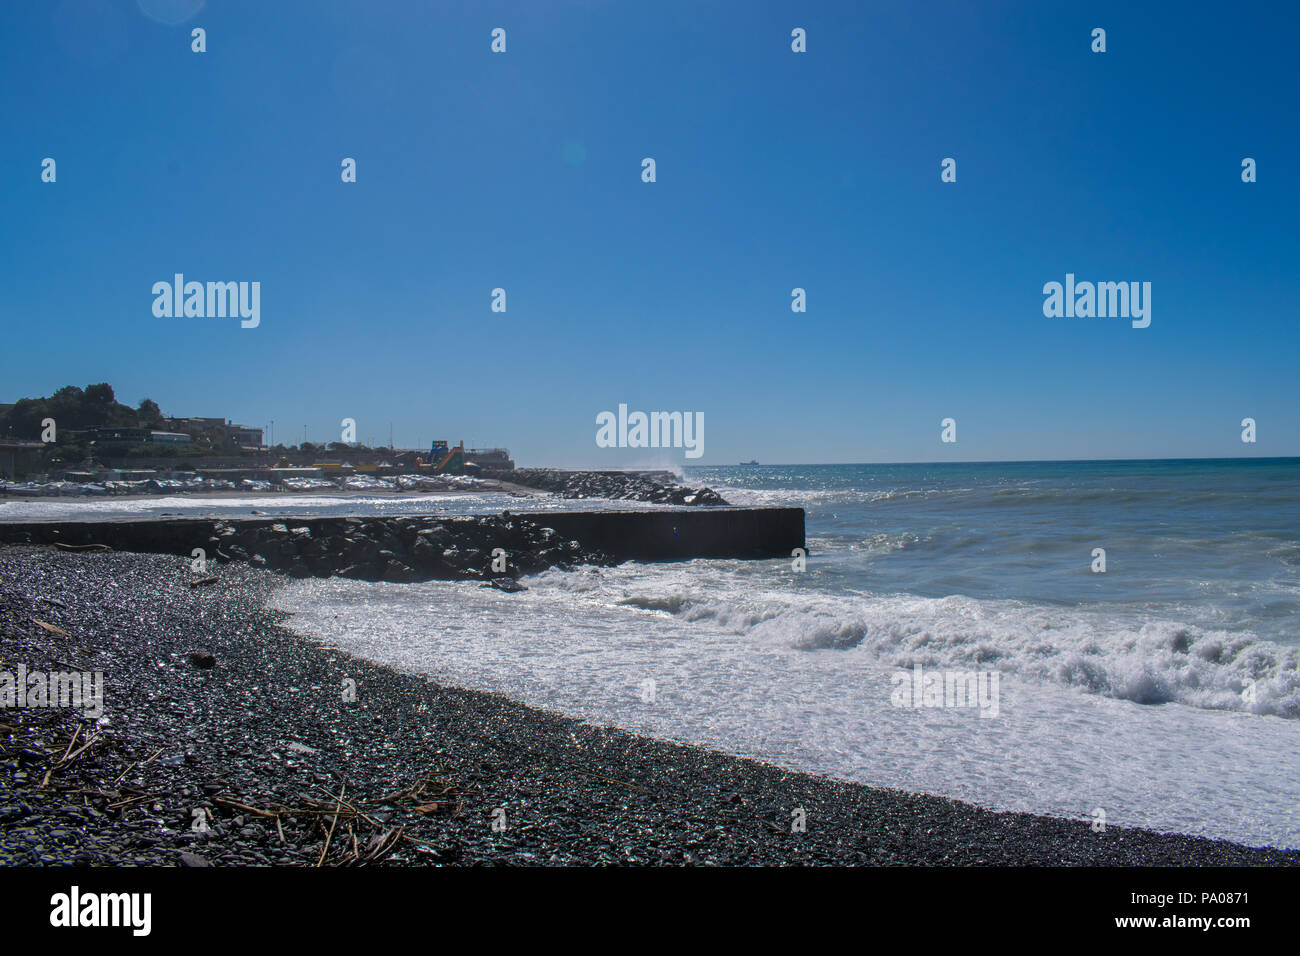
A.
x: 1214, y: 543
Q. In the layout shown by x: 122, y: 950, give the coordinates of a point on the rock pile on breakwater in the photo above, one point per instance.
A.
x: 402, y: 549
x: 618, y: 485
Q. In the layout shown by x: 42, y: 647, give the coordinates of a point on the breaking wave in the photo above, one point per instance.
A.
x: 1129, y: 658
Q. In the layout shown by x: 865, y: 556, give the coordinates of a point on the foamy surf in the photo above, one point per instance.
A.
x: 1144, y: 661
x: 805, y: 680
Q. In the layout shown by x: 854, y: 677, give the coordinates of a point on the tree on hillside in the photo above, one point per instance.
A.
x: 67, y: 407
x: 99, y: 398
x: 103, y: 408
x: 24, y: 419
x: 72, y: 409
x: 149, y: 414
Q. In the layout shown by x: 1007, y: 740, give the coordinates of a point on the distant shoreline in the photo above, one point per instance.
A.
x: 272, y: 495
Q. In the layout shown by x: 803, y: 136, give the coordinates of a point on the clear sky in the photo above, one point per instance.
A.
x: 775, y: 170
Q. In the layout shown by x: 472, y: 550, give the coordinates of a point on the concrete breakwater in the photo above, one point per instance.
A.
x: 398, y: 549
x: 746, y: 533
x: 419, y: 548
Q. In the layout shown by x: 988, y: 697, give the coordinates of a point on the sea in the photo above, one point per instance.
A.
x: 1142, y: 619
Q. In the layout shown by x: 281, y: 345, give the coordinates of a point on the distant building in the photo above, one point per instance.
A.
x: 196, y: 427
x: 245, y: 437
x: 110, y: 436
x: 18, y: 458
x: 217, y: 430
x: 490, y: 459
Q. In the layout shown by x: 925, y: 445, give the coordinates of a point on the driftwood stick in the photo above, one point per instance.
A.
x: 54, y: 766
x: 326, y: 848
x: 247, y: 809
x: 90, y: 742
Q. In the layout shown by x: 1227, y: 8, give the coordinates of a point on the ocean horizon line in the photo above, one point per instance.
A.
x: 993, y: 461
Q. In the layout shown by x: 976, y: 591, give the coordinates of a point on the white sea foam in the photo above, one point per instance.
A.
x: 1126, y: 657
x: 781, y: 671
x: 796, y: 497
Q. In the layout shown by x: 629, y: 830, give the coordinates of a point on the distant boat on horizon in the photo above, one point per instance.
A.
x: 749, y: 463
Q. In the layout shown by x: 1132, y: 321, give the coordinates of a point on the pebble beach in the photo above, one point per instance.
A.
x: 227, y: 739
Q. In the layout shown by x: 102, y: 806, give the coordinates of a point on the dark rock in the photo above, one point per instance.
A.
x: 362, y: 551
x: 203, y: 659
x: 397, y: 573
x: 424, y: 554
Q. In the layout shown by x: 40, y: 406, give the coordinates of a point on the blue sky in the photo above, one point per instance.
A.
x: 775, y: 170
